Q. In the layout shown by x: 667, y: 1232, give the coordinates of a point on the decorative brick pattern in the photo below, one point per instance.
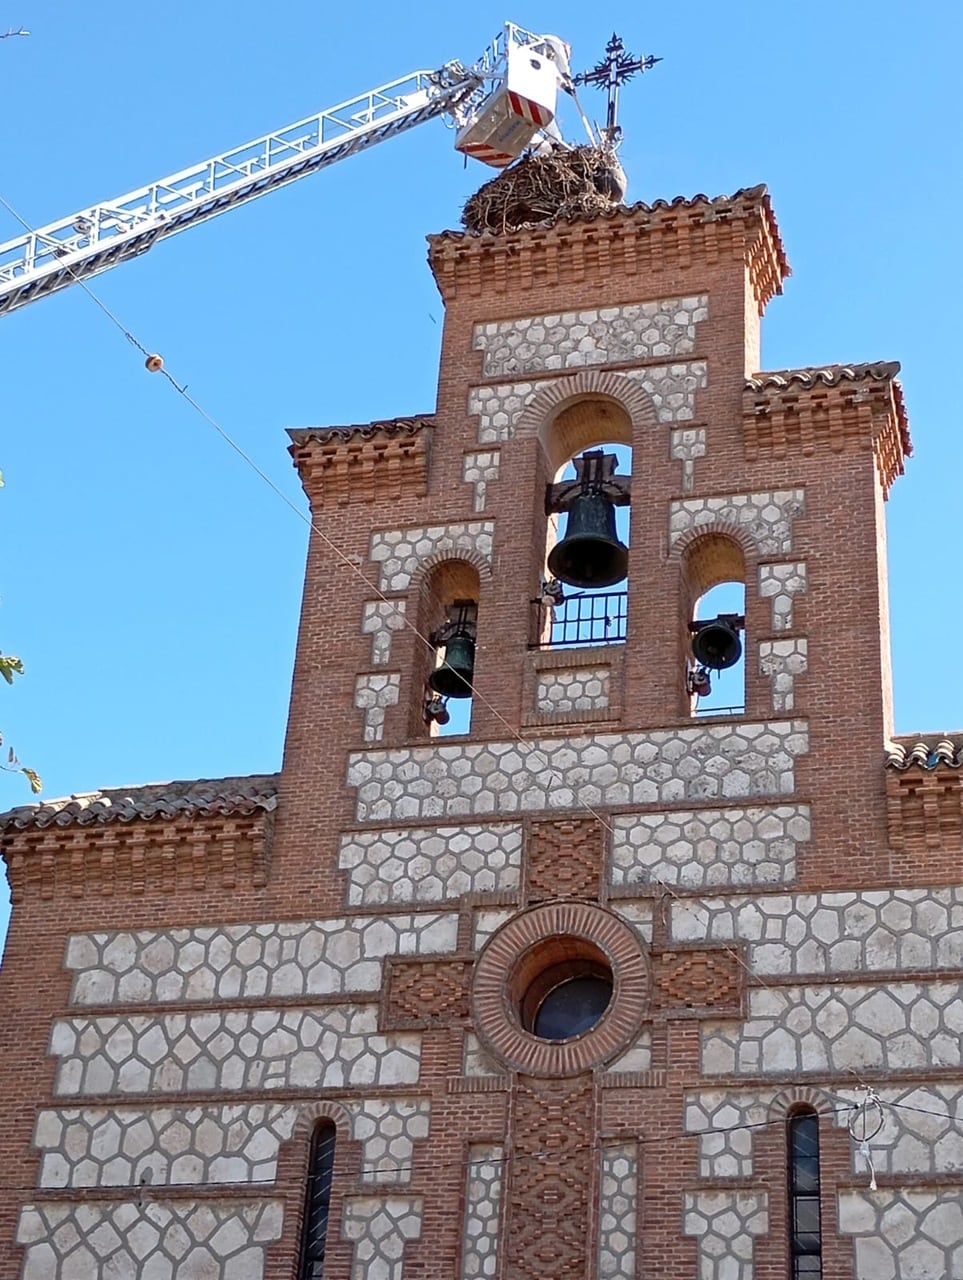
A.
x: 618, y: 1209
x: 380, y: 1227
x: 673, y: 388
x: 698, y: 980
x: 374, y: 694
x: 565, y: 859
x: 382, y: 618
x: 903, y: 1233
x: 400, y: 553
x: 479, y: 470
x: 899, y: 1027
x: 318, y: 1048
x: 709, y: 846
x: 482, y: 1212
x: 125, y: 1146
x: 573, y: 339
x: 924, y: 813
x: 700, y: 763
x: 724, y: 1224
x: 430, y: 864
x: 249, y: 961
x: 841, y: 932
x: 422, y: 993
x: 176, y: 1240
x: 388, y: 1130
x: 551, y: 1174
x: 765, y: 518
x: 782, y: 661
x: 574, y: 689
x: 780, y: 583
x: 688, y: 444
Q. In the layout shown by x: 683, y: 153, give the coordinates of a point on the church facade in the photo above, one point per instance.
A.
x: 608, y: 983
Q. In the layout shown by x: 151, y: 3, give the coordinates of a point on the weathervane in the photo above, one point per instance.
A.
x: 612, y: 72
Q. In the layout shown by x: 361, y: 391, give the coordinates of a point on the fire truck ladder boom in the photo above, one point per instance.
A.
x: 97, y: 238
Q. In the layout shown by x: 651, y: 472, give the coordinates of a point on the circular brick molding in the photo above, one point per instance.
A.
x: 516, y: 965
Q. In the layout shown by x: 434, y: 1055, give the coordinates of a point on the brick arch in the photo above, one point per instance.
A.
x: 309, y: 1113
x: 468, y: 555
x: 793, y: 1097
x: 538, y: 416
x: 719, y: 528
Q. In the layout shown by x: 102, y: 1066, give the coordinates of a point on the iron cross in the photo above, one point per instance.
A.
x: 611, y: 73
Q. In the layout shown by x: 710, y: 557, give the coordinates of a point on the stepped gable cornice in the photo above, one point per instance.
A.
x: 792, y: 411
x: 363, y: 461
x: 675, y: 232
x: 931, y: 751
x: 166, y: 801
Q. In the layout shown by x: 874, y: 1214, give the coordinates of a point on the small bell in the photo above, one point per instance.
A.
x: 453, y: 678
x: 715, y: 643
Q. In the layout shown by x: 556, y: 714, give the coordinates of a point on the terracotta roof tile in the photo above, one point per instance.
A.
x: 390, y: 427
x: 164, y: 800
x: 935, y: 751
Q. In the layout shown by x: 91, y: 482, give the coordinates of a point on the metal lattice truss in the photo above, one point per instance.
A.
x: 99, y: 237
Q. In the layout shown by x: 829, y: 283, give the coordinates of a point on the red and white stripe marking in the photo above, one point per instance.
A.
x: 525, y: 109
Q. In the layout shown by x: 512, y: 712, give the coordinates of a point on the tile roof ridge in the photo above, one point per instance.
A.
x: 927, y: 751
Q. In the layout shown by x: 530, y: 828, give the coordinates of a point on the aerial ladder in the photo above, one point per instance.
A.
x: 497, y: 105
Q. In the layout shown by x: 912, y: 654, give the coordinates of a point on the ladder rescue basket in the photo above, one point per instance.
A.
x: 521, y: 103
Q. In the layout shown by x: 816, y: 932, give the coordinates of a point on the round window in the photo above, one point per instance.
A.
x: 562, y: 987
x: 571, y: 1008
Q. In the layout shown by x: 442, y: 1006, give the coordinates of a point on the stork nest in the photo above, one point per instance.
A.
x: 585, y: 181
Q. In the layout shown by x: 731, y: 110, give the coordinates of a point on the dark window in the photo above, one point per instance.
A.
x: 317, y: 1201
x: 573, y: 1007
x: 805, y: 1240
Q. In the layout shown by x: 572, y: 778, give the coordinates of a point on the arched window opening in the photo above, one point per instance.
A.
x: 805, y: 1234
x: 448, y: 618
x: 317, y: 1201
x: 583, y: 596
x: 714, y: 603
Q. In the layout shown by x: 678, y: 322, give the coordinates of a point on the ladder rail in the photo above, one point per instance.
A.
x: 94, y: 239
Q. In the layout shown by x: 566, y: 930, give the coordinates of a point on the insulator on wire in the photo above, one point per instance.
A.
x: 154, y: 364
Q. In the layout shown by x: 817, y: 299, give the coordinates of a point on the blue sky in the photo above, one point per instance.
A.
x: 151, y: 581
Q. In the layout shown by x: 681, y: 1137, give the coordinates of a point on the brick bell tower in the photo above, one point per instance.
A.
x: 584, y: 989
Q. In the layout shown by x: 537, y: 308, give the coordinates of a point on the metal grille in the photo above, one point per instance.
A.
x: 317, y: 1201
x: 585, y: 619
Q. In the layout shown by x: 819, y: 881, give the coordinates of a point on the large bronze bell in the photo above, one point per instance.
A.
x: 590, y: 554
x: 716, y: 644
x: 453, y: 679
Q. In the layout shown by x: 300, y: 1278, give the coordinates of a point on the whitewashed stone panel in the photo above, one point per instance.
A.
x: 479, y: 470
x: 767, y: 517
x: 430, y: 864
x: 388, y: 1129
x: 618, y: 1210
x: 724, y: 1224
x: 709, y: 847
x: 318, y: 1048
x: 400, y: 553
x: 899, y: 1027
x: 477, y: 1061
x: 374, y: 694
x: 725, y: 1148
x: 782, y: 661
x: 921, y: 1131
x: 124, y: 1146
x: 905, y: 1234
x: 780, y: 583
x: 637, y: 1057
x: 572, y: 689
x: 673, y: 388
x: 173, y: 1240
x: 735, y: 760
x: 381, y: 619
x: 339, y: 956
x: 839, y: 932
x: 575, y: 339
x: 380, y: 1227
x: 687, y: 445
x: 482, y: 1212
